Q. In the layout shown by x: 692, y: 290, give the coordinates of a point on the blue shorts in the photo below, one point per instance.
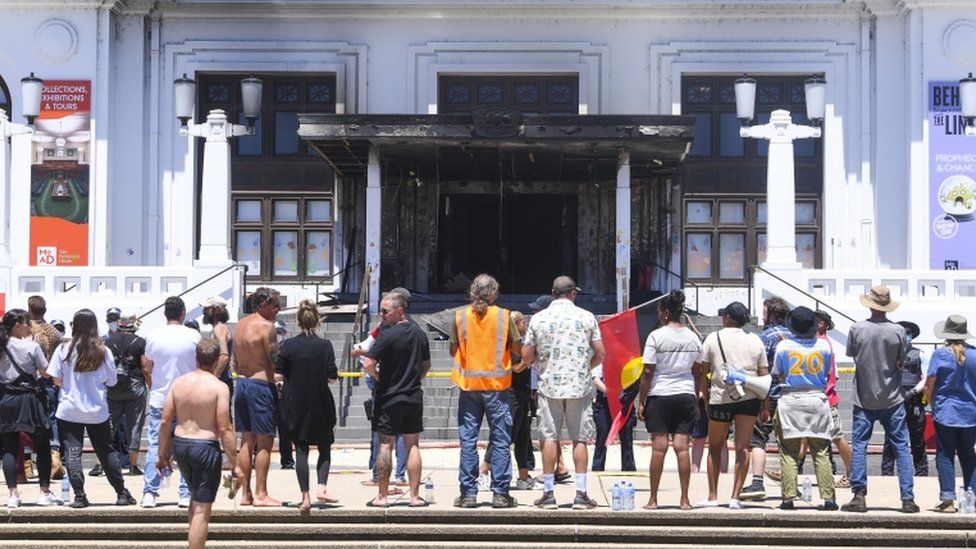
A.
x: 200, y: 462
x: 256, y: 407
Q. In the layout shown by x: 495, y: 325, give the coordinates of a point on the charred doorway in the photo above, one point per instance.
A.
x: 524, y: 240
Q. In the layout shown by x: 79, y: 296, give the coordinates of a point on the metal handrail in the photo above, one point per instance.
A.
x: 816, y: 300
x: 191, y: 288
x: 682, y: 279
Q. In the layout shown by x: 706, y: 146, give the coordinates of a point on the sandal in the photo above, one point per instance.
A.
x: 844, y: 482
x: 945, y: 506
x: 422, y: 503
x: 372, y: 503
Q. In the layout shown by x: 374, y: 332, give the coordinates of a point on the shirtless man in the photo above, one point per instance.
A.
x: 202, y: 404
x: 255, y: 399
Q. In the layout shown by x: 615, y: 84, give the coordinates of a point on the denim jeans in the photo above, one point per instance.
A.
x: 950, y: 442
x: 473, y: 406
x: 52, y: 403
x: 151, y: 477
x: 893, y: 421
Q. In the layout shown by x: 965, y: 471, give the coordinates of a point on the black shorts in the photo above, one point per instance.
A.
x: 761, y: 432
x: 199, y: 462
x: 256, y: 407
x: 701, y: 424
x: 725, y: 413
x: 402, y: 418
x: 671, y: 414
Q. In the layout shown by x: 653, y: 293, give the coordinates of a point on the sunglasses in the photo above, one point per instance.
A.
x: 387, y: 311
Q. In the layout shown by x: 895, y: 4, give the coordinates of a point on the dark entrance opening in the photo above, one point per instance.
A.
x: 524, y: 240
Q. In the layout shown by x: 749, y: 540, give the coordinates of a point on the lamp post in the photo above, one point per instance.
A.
x: 215, y: 193
x: 780, y: 176
x: 31, y: 88
x: 967, y: 98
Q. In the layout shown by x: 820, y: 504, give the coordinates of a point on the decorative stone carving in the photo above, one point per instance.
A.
x: 496, y: 121
x: 959, y: 42
x: 56, y: 41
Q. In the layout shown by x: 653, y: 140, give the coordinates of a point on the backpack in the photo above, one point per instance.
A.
x: 127, y: 365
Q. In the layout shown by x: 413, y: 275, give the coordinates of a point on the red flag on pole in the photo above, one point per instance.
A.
x: 622, y: 345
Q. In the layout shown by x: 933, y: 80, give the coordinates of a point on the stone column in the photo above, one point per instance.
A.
x: 4, y: 189
x: 622, y: 243
x: 374, y: 235
x: 20, y: 198
x: 215, y: 200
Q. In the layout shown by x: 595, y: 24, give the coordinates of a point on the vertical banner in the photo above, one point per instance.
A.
x: 60, y: 175
x: 952, y: 181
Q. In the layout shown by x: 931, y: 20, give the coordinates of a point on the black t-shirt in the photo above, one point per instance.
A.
x: 127, y: 349
x: 400, y: 351
x: 521, y: 381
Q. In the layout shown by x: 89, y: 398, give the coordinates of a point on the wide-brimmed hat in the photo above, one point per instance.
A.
x: 802, y: 322
x: 911, y: 328
x: 825, y: 316
x: 129, y: 322
x: 956, y: 327
x: 879, y: 299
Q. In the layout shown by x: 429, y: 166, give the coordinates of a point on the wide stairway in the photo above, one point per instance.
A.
x: 524, y: 527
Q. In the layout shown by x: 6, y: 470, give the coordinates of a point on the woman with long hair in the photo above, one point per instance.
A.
x: 308, y: 410
x: 83, y: 368
x: 669, y: 392
x: 22, y: 408
x: 951, y: 388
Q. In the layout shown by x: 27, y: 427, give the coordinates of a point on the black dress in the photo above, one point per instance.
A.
x: 308, y: 410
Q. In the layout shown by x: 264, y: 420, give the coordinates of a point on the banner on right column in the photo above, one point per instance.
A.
x: 952, y: 182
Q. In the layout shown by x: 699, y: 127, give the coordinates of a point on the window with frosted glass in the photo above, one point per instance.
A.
x: 806, y: 250
x: 760, y: 248
x: 248, y: 250
x: 698, y: 255
x: 806, y: 213
x: 318, y: 253
x: 732, y: 213
x: 699, y: 213
x: 285, y: 211
x: 248, y: 211
x: 318, y: 211
x: 285, y: 253
x: 732, y: 256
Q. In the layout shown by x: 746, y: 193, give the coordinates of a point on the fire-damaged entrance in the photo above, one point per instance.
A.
x: 430, y: 201
x: 520, y: 239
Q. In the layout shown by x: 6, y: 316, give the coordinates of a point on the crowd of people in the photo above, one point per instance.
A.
x: 508, y: 369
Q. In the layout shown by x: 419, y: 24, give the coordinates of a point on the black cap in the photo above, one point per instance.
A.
x: 911, y: 328
x: 192, y: 324
x: 738, y: 312
x: 802, y: 322
x: 541, y: 303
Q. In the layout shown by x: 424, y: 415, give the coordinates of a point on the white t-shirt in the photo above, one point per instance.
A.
x: 173, y: 351
x: 673, y: 351
x: 745, y: 353
x: 82, y: 397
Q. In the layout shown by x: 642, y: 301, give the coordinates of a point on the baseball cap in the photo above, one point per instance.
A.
x: 58, y: 325
x: 541, y: 302
x: 213, y: 301
x: 738, y: 312
x: 564, y: 285
x: 128, y: 321
x: 114, y: 312
x: 192, y: 324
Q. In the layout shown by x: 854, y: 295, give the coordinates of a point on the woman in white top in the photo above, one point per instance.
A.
x: 83, y: 368
x: 672, y: 373
x: 21, y: 408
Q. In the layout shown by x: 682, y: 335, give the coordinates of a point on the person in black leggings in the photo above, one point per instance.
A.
x: 82, y: 368
x: 308, y: 410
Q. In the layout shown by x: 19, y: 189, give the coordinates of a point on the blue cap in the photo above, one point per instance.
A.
x: 114, y: 311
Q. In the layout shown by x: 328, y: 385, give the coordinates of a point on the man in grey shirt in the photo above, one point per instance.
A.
x: 878, y: 347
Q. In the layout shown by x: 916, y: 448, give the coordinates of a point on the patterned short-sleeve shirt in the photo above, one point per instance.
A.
x: 561, y: 335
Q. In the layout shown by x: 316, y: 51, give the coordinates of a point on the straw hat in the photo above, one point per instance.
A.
x: 879, y: 299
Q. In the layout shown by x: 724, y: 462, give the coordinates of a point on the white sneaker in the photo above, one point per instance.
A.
x: 484, y: 483
x: 13, y: 502
x: 48, y: 499
x: 148, y: 501
x: 735, y: 504
x: 184, y: 503
x: 706, y: 503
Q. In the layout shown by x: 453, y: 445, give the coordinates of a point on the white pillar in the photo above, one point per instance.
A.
x: 4, y: 189
x: 373, y: 233
x: 20, y: 185
x: 215, y: 192
x: 623, y: 229
x: 780, y: 196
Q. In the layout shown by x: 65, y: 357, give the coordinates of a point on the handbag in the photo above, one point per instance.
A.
x: 25, y: 383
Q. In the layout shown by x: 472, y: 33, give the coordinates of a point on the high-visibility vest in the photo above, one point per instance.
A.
x: 482, y: 361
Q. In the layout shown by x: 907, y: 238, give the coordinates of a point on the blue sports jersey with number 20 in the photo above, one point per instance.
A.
x: 802, y: 363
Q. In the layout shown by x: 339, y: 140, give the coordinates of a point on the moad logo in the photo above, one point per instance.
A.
x: 47, y: 256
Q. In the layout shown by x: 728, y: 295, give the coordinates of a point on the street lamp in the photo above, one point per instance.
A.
x: 967, y: 98
x: 216, y: 184
x: 780, y: 176
x: 31, y: 88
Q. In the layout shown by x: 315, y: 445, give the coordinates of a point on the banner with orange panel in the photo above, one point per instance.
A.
x: 60, y: 175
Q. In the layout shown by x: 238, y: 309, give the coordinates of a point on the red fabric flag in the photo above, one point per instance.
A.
x: 620, y: 340
x: 618, y: 423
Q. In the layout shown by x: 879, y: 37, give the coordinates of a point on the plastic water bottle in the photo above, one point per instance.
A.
x: 807, y: 495
x: 616, y: 501
x: 429, y: 491
x: 969, y: 502
x: 165, y: 484
x: 65, y: 489
x: 628, y: 496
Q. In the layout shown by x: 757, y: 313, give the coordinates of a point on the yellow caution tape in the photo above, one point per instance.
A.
x: 429, y: 374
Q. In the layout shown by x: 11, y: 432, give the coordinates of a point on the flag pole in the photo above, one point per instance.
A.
x: 646, y: 303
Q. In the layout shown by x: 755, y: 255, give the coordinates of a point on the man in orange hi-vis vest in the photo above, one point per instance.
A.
x: 483, y: 340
